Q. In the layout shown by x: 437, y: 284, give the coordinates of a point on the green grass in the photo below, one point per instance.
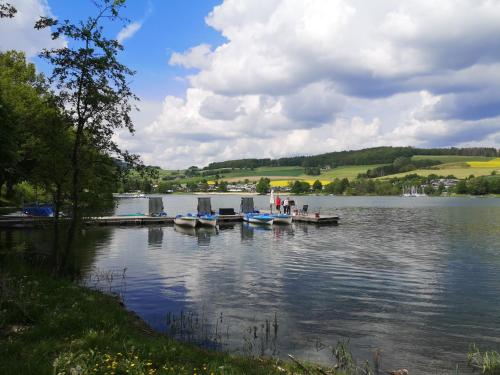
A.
x: 297, y: 173
x: 51, y: 326
x: 266, y: 172
x: 487, y: 362
x: 350, y: 171
x: 459, y: 170
x: 451, y: 158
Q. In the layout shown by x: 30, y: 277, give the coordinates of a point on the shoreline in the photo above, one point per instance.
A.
x: 68, y: 328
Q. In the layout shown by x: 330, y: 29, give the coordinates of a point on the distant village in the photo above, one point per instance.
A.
x: 438, y: 185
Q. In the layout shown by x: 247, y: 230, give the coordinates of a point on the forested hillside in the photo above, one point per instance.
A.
x: 376, y: 155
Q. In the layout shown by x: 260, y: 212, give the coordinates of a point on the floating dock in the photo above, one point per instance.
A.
x: 31, y: 222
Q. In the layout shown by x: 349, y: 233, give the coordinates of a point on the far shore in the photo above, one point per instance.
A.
x: 224, y: 193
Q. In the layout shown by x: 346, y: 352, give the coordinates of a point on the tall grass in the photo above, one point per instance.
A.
x: 487, y: 362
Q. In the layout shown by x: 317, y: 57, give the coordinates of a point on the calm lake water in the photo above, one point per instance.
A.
x: 416, y: 278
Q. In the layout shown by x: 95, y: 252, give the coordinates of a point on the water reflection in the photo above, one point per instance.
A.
x: 155, y: 236
x: 203, y: 234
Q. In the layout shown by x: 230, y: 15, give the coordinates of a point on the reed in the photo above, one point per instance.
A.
x: 488, y: 362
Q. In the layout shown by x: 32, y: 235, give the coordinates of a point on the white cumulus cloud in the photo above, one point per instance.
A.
x: 128, y: 31
x: 307, y: 76
x: 19, y: 33
x: 303, y: 77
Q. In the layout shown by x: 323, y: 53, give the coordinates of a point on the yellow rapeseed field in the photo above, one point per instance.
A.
x: 284, y: 183
x: 495, y: 163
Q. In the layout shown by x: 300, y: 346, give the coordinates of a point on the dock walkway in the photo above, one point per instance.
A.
x: 31, y: 222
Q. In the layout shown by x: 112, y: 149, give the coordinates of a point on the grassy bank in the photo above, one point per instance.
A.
x: 52, y: 326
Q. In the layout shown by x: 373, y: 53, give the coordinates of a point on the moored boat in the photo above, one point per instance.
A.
x: 208, y: 220
x: 186, y: 220
x: 282, y: 219
x: 39, y: 210
x: 256, y: 218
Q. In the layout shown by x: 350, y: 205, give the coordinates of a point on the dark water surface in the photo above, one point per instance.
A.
x: 417, y: 278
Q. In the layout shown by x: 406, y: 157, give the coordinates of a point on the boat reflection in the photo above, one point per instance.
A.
x: 202, y: 233
x: 155, y: 236
x: 283, y: 230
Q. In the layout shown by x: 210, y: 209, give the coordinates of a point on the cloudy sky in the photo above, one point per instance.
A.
x: 268, y: 78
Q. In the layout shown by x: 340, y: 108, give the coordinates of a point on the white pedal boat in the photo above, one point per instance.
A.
x: 282, y: 219
x: 186, y: 220
x: 256, y: 218
x: 208, y: 220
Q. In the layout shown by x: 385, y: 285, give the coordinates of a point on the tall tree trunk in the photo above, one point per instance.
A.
x: 57, y: 210
x: 9, y: 194
x: 75, y: 194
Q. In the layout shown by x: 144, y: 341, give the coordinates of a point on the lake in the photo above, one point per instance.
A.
x: 416, y: 278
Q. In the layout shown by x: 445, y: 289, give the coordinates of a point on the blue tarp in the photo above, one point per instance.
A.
x: 44, y: 210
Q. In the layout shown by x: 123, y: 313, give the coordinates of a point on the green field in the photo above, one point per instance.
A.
x: 455, y: 165
x: 349, y: 171
x: 459, y: 170
x: 297, y: 173
x: 266, y: 171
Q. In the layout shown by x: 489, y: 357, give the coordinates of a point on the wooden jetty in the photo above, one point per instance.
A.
x: 31, y: 222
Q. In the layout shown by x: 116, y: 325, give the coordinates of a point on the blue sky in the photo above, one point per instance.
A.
x: 233, y: 79
x: 166, y: 26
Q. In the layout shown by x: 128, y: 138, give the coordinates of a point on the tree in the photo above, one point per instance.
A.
x: 263, y: 186
x: 317, y: 185
x: 329, y: 188
x: 478, y: 186
x: 7, y: 10
x: 312, y: 171
x: 461, y: 187
x: 401, y: 161
x: 494, y: 185
x: 92, y: 87
x: 341, y: 185
x: 222, y: 187
x: 429, y: 189
x: 191, y: 186
x: 22, y: 98
x: 300, y: 187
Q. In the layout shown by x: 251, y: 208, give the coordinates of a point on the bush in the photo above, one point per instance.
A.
x: 300, y: 187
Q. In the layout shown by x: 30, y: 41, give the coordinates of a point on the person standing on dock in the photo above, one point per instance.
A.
x: 286, y: 206
x: 271, y: 200
x: 278, y: 204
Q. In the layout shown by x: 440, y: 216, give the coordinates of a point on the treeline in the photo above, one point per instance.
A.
x: 56, y: 133
x: 402, y: 164
x: 376, y: 155
x: 37, y: 141
x: 479, y: 185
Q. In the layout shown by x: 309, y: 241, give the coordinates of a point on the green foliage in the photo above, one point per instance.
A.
x: 222, y: 186
x: 300, y: 187
x: 263, y: 186
x: 312, y: 171
x: 479, y: 185
x: 93, y: 90
x: 376, y: 155
x: 191, y: 186
x: 487, y: 362
x: 400, y: 165
x: 22, y: 99
x: 165, y: 187
x: 317, y: 185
